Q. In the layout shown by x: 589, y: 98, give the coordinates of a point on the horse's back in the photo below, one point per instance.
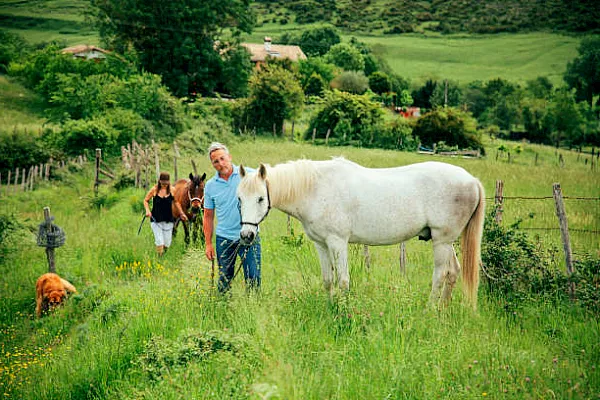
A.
x: 388, y: 205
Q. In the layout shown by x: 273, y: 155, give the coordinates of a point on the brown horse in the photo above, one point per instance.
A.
x: 190, y: 194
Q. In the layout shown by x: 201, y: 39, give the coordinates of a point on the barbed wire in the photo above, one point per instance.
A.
x: 543, y: 198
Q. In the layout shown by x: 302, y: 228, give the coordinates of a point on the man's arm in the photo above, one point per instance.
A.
x: 208, y: 226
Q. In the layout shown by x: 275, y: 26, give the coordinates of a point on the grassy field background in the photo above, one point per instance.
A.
x: 147, y: 328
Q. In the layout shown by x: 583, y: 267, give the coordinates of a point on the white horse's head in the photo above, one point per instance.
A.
x: 255, y: 203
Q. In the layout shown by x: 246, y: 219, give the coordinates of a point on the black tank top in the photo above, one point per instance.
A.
x: 161, y: 208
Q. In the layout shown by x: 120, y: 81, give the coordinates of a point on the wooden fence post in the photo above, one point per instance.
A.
x: 175, y: 156
x: 402, y: 258
x: 499, y: 200
x: 564, y: 230
x: 49, y: 250
x: 314, y: 134
x: 97, y: 175
x: 156, y: 160
x: 292, y: 134
x: 23, y: 179
x: 327, y: 136
x: 289, y: 225
x: 16, y: 179
x: 564, y: 226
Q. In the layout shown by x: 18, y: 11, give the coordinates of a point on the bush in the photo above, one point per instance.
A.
x: 351, y: 81
x: 83, y: 136
x: 12, y: 47
x: 20, y: 149
x: 379, y: 82
x: 450, y: 125
x: 396, y: 135
x: 275, y: 95
x: 357, y: 116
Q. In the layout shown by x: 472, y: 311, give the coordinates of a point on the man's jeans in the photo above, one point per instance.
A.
x: 227, y: 250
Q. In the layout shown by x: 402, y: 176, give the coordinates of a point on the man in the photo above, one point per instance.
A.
x: 220, y: 196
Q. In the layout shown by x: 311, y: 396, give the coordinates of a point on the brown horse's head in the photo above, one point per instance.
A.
x: 196, y: 191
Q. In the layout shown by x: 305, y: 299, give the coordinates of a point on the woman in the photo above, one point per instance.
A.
x: 161, y: 216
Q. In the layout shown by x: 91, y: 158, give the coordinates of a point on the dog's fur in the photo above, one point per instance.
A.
x: 51, y: 290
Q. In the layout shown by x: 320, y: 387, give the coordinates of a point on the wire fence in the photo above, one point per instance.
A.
x: 537, y: 215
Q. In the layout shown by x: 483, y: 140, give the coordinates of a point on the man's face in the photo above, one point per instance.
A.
x: 221, y: 161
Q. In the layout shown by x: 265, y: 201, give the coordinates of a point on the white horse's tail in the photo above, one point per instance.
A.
x: 471, y: 249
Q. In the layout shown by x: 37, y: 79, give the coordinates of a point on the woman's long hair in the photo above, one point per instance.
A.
x: 164, y: 176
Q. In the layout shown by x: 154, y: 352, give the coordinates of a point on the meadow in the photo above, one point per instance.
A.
x: 142, y: 327
x: 148, y: 328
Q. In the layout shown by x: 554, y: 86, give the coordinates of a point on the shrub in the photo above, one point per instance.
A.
x: 315, y: 86
x: 77, y: 136
x: 516, y: 270
x: 379, y: 82
x: 357, y: 115
x: 351, y: 81
x: 450, y: 125
x: 12, y: 47
x: 275, y: 95
x: 396, y: 135
x: 20, y: 149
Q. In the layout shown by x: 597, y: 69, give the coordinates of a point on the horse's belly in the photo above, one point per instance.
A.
x: 390, y: 231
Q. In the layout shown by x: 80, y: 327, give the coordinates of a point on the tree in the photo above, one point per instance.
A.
x: 315, y: 65
x: 317, y: 42
x: 175, y: 39
x: 351, y: 81
x: 346, y: 56
x: 446, y: 94
x: 12, y: 46
x: 450, y: 125
x: 349, y: 117
x: 275, y: 95
x: 583, y: 73
x: 422, y: 95
x: 379, y: 82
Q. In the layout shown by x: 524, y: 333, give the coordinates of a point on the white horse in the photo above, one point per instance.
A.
x: 340, y: 202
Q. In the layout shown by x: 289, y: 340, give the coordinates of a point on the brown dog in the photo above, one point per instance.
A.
x: 51, y: 290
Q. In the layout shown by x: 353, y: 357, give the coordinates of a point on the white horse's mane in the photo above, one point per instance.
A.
x: 291, y: 180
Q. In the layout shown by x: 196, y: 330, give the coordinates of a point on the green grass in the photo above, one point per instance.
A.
x: 291, y: 342
x: 126, y: 335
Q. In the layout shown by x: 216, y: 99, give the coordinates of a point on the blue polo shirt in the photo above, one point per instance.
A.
x: 220, y: 195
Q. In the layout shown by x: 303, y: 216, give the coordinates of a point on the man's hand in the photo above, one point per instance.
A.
x: 210, y: 252
x: 183, y: 217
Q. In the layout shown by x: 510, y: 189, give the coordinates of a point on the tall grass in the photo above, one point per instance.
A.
x: 147, y: 328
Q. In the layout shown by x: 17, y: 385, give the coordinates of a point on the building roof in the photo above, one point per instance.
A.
x: 83, y: 50
x: 260, y: 52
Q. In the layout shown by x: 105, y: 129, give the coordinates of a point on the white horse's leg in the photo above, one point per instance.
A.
x: 443, y: 255
x: 326, y: 267
x: 451, y: 277
x: 338, y: 253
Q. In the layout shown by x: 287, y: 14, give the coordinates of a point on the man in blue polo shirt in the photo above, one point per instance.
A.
x: 220, y: 195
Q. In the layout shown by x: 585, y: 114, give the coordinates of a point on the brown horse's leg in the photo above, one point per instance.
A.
x: 186, y: 229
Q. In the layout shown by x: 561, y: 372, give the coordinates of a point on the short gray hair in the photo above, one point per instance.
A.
x: 214, y: 146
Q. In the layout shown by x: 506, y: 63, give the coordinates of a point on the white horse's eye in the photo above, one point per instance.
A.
x: 261, y: 199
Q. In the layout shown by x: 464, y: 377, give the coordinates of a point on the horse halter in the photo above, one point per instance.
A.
x: 192, y: 199
x: 264, y: 216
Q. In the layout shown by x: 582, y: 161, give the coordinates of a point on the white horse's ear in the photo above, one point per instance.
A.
x: 262, y: 171
x: 242, y: 171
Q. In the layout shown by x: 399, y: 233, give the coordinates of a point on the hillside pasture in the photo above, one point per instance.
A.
x: 147, y: 328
